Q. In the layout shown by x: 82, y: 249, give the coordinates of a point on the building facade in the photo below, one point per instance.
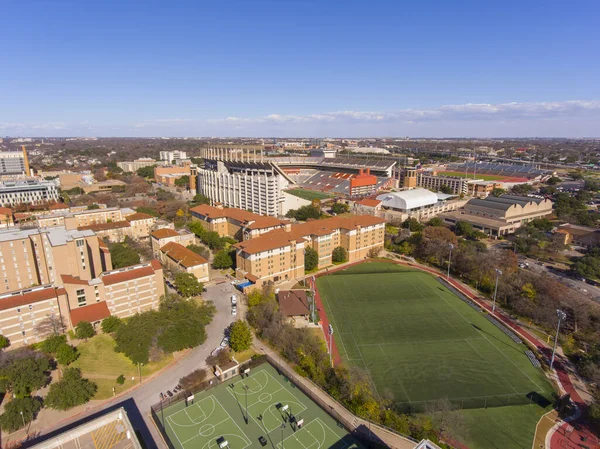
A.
x: 455, y: 185
x: 14, y: 163
x: 253, y: 186
x: 133, y: 166
x: 34, y: 192
x: 161, y: 237
x: 181, y: 259
x: 172, y: 157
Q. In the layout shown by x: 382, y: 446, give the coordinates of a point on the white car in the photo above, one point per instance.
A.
x: 225, y: 342
x: 233, y: 300
x: 233, y: 310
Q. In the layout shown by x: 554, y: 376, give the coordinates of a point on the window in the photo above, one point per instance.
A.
x: 81, y: 297
x: 80, y: 242
x: 30, y: 307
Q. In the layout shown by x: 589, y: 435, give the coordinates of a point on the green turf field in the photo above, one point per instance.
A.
x: 219, y: 413
x: 309, y: 194
x: 419, y: 340
x: 477, y: 175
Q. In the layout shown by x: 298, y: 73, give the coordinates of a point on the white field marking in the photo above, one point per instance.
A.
x: 301, y: 408
x: 173, y: 432
x: 303, y: 430
x: 335, y: 322
x: 253, y: 378
x: 491, y: 364
x: 236, y: 425
x: 257, y: 400
x: 412, y: 343
x: 336, y: 435
x: 387, y: 359
x: 495, y: 347
x: 196, y: 404
x: 224, y: 435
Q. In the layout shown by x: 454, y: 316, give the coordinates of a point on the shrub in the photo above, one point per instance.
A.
x: 311, y: 259
x: 339, y: 255
x: 111, y: 324
x: 240, y: 336
x: 121, y: 379
x: 84, y: 330
x: 66, y: 354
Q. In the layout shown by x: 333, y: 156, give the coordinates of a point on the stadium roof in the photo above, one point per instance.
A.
x: 408, y: 199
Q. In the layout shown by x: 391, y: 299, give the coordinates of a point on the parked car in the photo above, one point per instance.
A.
x: 225, y: 342
x: 169, y: 393
x: 233, y: 310
x: 233, y: 300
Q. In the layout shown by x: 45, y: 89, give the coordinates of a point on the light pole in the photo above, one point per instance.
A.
x: 451, y: 246
x: 282, y: 427
x: 22, y: 417
x: 561, y: 316
x: 498, y: 274
x: 246, y: 390
x: 330, y: 351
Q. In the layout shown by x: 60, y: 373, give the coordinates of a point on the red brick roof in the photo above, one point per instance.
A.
x: 5, y: 211
x: 91, y: 313
x: 164, y: 233
x: 58, y: 206
x: 23, y: 297
x: 68, y: 279
x: 250, y: 219
x: 182, y: 255
x: 127, y: 275
x: 105, y: 226
x: 293, y: 302
x: 369, y: 202
x: 139, y: 216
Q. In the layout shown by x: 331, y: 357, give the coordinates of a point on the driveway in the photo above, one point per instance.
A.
x: 148, y: 394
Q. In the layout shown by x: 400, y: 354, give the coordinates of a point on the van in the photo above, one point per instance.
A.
x: 233, y: 300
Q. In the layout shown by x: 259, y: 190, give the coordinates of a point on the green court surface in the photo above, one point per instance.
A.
x: 421, y: 342
x: 218, y: 415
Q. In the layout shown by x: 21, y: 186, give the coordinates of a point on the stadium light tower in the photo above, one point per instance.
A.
x: 451, y: 246
x: 561, y: 316
x: 330, y: 349
x: 498, y: 274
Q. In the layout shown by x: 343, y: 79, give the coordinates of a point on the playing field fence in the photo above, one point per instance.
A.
x: 357, y: 427
x: 501, y: 400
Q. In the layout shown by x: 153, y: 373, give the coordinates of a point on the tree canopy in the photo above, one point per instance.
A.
x: 122, y: 255
x: 339, y: 254
x: 304, y: 213
x: 146, y: 172
x: 222, y: 260
x: 188, y: 285
x: 311, y: 259
x: 72, y: 390
x: 110, y: 324
x: 12, y: 419
x: 84, y: 330
x: 240, y: 336
x: 25, y: 375
x: 340, y: 208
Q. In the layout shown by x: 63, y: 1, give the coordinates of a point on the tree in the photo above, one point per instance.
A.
x: 340, y: 208
x: 183, y: 181
x: 413, y: 225
x: 435, y: 221
x: 146, y: 172
x: 222, y: 260
x: 4, y: 342
x: 212, y: 240
x: 497, y: 191
x: 25, y: 375
x: 188, y: 285
x: 311, y: 259
x: 197, y: 228
x: 200, y: 199
x: 521, y: 189
x: 553, y: 181
x: 121, y: 379
x: 51, y: 344
x: 200, y: 250
x: 122, y: 255
x: 304, y: 213
x: 93, y: 206
x: 193, y: 380
x: 110, y: 324
x: 72, y: 390
x: 240, y: 336
x: 445, y: 417
x: 446, y: 189
x: 66, y: 354
x: 84, y: 330
x: 339, y: 254
x: 12, y: 419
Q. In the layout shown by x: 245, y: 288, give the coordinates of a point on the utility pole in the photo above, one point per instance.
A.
x: 330, y: 347
x: 498, y: 274
x: 561, y: 316
x: 451, y: 246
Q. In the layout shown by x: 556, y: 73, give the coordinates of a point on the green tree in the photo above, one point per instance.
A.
x: 51, y: 344
x: 464, y: 228
x: 23, y: 376
x: 339, y: 254
x: 304, y: 213
x: 188, y: 285
x: 446, y: 189
x: 497, y: 191
x: 311, y: 259
x: 435, y: 221
x: 121, y: 379
x: 212, y: 240
x: 135, y: 337
x: 4, y: 342
x: 200, y: 250
x: 148, y: 210
x: 72, y: 390
x: 122, y: 255
x: 340, y: 208
x: 553, y: 181
x: 197, y: 228
x: 146, y: 172
x: 200, y: 199
x: 66, y: 354
x: 222, y: 260
x: 413, y: 225
x: 110, y: 324
x: 12, y: 419
x: 240, y: 336
x: 84, y: 330
x: 93, y: 207
x: 183, y: 181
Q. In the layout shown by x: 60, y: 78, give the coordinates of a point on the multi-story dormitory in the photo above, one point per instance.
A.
x: 59, y: 275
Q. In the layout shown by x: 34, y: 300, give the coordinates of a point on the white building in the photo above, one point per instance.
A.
x: 133, y: 166
x: 408, y: 201
x: 14, y: 163
x: 27, y: 192
x: 254, y: 186
x: 170, y: 156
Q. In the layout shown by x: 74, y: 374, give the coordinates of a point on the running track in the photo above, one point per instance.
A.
x: 574, y: 435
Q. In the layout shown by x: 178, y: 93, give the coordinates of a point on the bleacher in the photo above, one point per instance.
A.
x: 533, y: 359
x: 514, y: 337
x: 510, y: 170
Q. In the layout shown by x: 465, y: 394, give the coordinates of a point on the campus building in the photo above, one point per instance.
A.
x: 161, y: 237
x: 279, y: 255
x: 432, y: 181
x: 363, y: 184
x: 133, y: 166
x: 500, y: 215
x: 75, y: 217
x: 253, y: 186
x: 178, y: 258
x: 14, y: 163
x: 30, y: 191
x: 172, y: 157
x: 236, y: 223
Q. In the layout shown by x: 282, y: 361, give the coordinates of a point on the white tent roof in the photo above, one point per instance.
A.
x: 408, y: 199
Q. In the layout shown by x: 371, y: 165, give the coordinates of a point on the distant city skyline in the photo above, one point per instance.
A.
x: 305, y: 68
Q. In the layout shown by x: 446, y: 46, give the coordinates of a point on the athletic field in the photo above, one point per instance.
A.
x: 215, y: 418
x: 423, y: 343
x: 484, y: 176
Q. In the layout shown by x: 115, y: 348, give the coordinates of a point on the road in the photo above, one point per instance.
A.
x: 138, y: 401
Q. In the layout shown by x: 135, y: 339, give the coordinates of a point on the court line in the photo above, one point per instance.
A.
x: 214, y: 426
x: 335, y: 434
x: 390, y: 365
x: 281, y: 387
x: 330, y: 313
x: 491, y: 364
x: 236, y: 424
x: 294, y: 434
x: 262, y: 387
x: 175, y: 433
x: 197, y: 404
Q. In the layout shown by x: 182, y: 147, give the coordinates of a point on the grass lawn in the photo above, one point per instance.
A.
x: 422, y: 343
x: 105, y: 387
x: 477, y: 176
x: 309, y: 194
x: 97, y: 357
x: 242, y: 356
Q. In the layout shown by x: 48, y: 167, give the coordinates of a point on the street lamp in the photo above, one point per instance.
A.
x: 451, y: 246
x: 22, y: 417
x: 498, y: 274
x: 246, y: 390
x: 561, y: 316
x: 330, y: 351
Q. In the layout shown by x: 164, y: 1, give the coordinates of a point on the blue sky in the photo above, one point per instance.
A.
x: 305, y: 68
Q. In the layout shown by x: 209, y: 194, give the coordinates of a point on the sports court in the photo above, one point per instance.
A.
x: 275, y: 409
x: 421, y: 342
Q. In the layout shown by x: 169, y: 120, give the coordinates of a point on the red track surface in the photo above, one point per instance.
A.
x: 574, y: 435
